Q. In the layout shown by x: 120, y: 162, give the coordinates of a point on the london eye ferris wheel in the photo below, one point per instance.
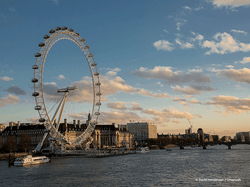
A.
x: 52, y: 101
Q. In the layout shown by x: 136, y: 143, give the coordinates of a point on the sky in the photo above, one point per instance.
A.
x: 163, y: 62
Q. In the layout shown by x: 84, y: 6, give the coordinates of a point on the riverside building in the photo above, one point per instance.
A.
x: 103, y: 136
x: 142, y: 131
x: 35, y: 131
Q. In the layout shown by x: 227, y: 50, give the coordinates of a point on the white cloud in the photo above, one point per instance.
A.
x: 117, y: 105
x: 177, y: 77
x: 6, y: 78
x: 230, y: 104
x: 225, y: 43
x: 192, y: 90
x: 175, y: 121
x: 163, y: 45
x: 165, y: 30
x: 239, y: 31
x: 135, y: 106
x: 12, y: 9
x: 239, y: 87
x: 195, y: 70
x: 110, y: 85
x: 161, y: 95
x: 110, y: 69
x: 198, y: 8
x: 187, y: 7
x: 241, y: 75
x: 33, y: 120
x: 160, y: 84
x: 173, y: 113
x: 179, y: 23
x: 60, y: 77
x: 111, y: 73
x: 197, y: 37
x: 10, y: 99
x: 230, y: 3
x: 120, y: 117
x: 183, y: 45
x: 244, y: 60
x: 194, y: 101
x: 79, y: 116
x: 229, y: 66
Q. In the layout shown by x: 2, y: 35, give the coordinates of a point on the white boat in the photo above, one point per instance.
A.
x: 143, y: 150
x: 28, y: 160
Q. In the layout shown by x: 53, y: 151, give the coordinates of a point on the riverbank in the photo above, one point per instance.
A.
x: 5, y: 156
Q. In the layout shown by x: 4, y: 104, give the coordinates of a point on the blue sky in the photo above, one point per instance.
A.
x: 159, y: 61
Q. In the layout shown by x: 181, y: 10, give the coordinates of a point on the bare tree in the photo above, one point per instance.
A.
x: 25, y: 142
x: 11, y: 144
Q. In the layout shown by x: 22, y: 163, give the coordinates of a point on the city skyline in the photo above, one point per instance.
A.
x: 160, y: 62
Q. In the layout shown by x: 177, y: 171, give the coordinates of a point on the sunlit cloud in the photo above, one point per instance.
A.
x: 177, y: 77
x: 192, y: 90
x: 33, y: 120
x: 175, y: 121
x: 135, y: 106
x: 164, y: 45
x: 184, y: 45
x: 239, y: 31
x: 225, y: 43
x: 187, y: 7
x: 10, y: 99
x: 230, y: 104
x: 180, y: 22
x: 117, y: 105
x: 241, y: 75
x: 120, y: 117
x: 173, y: 113
x: 229, y: 3
x: 5, y: 78
x: 61, y: 77
x: 79, y: 116
x: 244, y: 60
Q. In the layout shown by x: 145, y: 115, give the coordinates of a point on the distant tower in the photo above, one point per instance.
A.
x: 89, y: 117
x: 200, y: 135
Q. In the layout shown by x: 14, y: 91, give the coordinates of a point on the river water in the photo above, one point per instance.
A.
x: 215, y: 166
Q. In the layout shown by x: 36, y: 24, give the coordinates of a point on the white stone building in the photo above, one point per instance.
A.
x: 142, y: 131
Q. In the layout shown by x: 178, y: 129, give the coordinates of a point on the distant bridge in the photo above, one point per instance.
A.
x: 205, y: 144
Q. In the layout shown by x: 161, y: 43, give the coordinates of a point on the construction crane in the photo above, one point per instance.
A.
x: 211, y: 131
x: 191, y: 126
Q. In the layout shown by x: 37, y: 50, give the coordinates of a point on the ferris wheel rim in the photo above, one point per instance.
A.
x: 50, y: 40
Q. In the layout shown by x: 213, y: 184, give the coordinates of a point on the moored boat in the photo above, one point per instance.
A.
x: 29, y: 160
x: 143, y: 150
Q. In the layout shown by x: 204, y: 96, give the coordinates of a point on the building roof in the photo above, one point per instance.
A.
x: 28, y: 127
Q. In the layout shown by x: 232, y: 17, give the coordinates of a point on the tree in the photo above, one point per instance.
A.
x: 25, y: 142
x: 11, y: 144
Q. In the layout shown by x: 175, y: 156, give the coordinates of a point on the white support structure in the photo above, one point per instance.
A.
x: 56, y: 35
x: 59, y: 108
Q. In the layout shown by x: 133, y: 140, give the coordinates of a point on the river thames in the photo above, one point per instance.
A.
x: 215, y: 166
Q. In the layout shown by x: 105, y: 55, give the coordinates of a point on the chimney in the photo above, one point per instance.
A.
x: 66, y: 124
x: 79, y: 123
x: 18, y: 125
x: 74, y: 123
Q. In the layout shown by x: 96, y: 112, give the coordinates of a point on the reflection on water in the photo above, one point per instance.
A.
x: 188, y: 167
